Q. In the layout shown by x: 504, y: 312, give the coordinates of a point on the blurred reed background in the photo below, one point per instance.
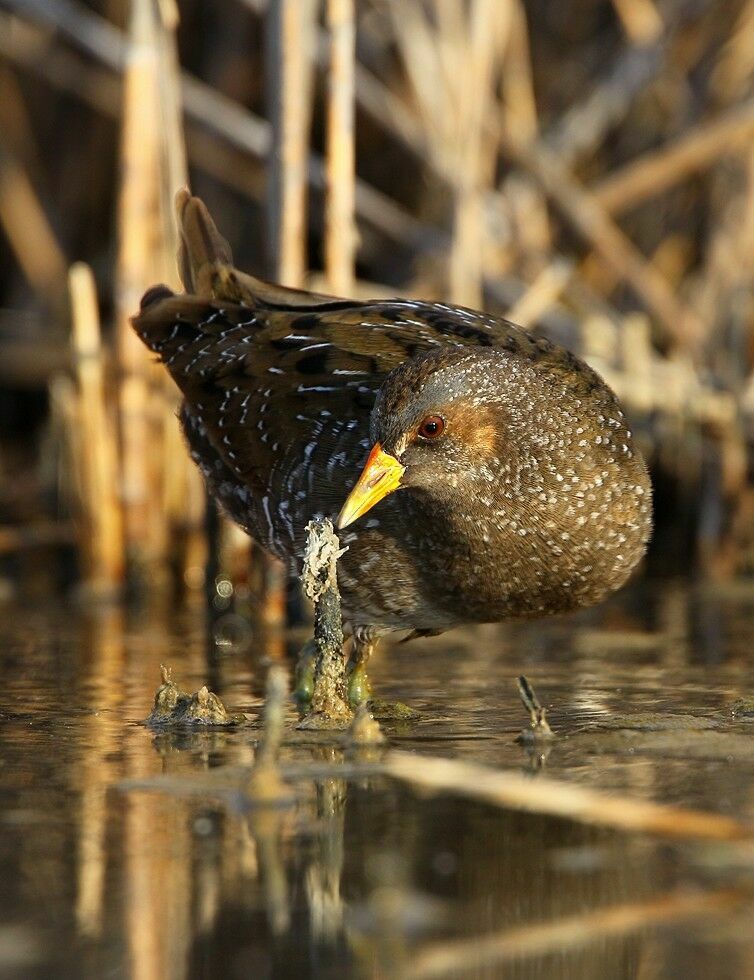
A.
x: 584, y: 167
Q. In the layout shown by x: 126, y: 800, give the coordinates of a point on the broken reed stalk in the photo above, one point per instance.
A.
x: 139, y: 227
x: 65, y: 427
x: 513, y: 790
x: 103, y: 546
x: 539, y: 727
x: 657, y: 170
x: 640, y: 19
x: 476, y: 47
x: 183, y: 496
x: 29, y: 232
x: 289, y: 48
x: 290, y: 30
x: 452, y: 62
x: 329, y: 707
x: 163, y: 501
x: 222, y: 116
x: 591, y: 221
x: 276, y: 693
x: 542, y: 293
x: 518, y: 112
x: 340, y: 230
x: 265, y: 784
x: 569, y: 932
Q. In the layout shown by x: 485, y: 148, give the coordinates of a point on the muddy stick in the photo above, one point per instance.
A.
x: 539, y: 727
x: 265, y: 783
x: 329, y: 707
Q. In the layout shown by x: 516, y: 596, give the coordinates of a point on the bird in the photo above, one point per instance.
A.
x: 477, y: 472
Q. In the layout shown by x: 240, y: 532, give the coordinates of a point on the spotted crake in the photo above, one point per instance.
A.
x: 501, y: 478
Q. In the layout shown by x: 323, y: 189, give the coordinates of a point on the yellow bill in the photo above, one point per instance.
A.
x: 380, y: 476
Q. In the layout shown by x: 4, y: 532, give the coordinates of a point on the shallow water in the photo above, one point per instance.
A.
x: 130, y: 854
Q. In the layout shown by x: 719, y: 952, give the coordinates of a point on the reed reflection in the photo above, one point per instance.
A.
x: 168, y: 868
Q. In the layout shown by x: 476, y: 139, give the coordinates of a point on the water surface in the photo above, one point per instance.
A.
x: 129, y: 854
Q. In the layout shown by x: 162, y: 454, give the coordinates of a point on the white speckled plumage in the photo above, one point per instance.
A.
x: 534, y: 501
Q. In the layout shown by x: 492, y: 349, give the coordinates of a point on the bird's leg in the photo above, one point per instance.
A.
x: 364, y: 641
x: 305, y: 664
x: 362, y: 645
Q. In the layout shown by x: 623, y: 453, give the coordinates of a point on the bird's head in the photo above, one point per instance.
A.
x: 438, y: 422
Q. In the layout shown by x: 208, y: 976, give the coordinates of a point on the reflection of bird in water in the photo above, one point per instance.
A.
x: 383, y: 928
x: 520, y: 490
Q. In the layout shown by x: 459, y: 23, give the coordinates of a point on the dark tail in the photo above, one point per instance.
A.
x: 202, y: 254
x: 168, y: 323
x: 204, y: 263
x: 203, y: 250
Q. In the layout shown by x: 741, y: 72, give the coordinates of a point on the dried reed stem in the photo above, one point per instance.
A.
x: 472, y: 59
x: 29, y: 232
x: 99, y: 461
x: 183, y: 496
x: 290, y: 25
x: 40, y: 534
x: 731, y: 76
x: 173, y: 170
x: 518, y: 111
x: 541, y: 294
x: 155, y: 470
x: 65, y: 424
x: 570, y: 932
x: 517, y: 77
x: 659, y: 170
x: 222, y: 116
x: 513, y: 790
x: 340, y: 231
x: 452, y: 57
x: 290, y: 40
x: 592, y: 222
x: 640, y: 19
x: 139, y: 224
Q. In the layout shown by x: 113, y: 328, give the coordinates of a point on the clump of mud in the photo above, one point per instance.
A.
x: 174, y: 708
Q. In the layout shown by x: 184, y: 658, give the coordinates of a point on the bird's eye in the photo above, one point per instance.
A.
x: 432, y: 427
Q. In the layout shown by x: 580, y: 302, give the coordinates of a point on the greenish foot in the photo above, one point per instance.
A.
x: 359, y: 689
x: 360, y: 692
x: 304, y: 676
